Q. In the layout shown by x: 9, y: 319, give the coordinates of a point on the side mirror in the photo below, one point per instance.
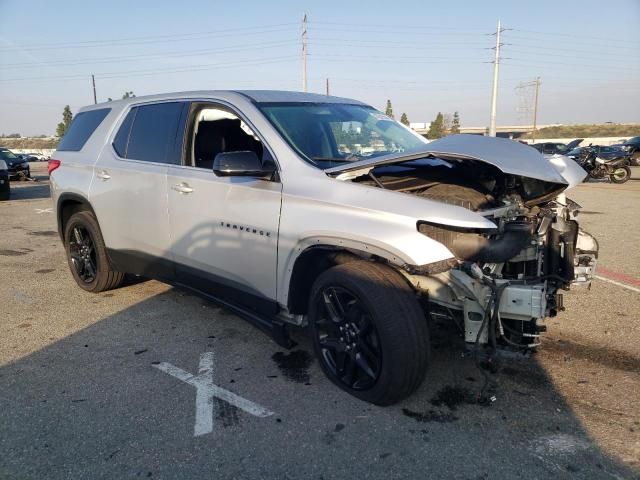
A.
x: 241, y: 164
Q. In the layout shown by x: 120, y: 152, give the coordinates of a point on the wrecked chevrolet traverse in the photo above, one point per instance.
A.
x: 304, y: 210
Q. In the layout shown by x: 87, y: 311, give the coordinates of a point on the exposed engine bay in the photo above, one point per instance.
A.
x: 504, y: 281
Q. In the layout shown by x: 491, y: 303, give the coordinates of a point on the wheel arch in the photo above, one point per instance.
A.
x: 315, y: 259
x: 67, y: 205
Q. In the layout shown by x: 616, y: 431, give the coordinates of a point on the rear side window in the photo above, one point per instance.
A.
x: 152, y: 133
x: 83, y: 125
x: 122, y: 137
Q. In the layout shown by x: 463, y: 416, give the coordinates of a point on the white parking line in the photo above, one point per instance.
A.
x: 628, y: 287
x: 206, y: 390
x: 44, y: 210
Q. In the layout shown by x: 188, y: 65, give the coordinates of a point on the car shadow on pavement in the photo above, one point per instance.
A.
x: 92, y: 405
x: 30, y: 189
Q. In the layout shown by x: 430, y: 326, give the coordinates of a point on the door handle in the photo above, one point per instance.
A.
x: 103, y: 175
x: 182, y: 188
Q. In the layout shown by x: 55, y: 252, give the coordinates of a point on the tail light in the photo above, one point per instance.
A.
x: 52, y: 165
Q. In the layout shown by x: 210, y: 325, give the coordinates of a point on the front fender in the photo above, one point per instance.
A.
x: 414, y: 251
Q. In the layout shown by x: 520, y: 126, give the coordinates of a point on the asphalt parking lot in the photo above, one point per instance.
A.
x: 85, y: 390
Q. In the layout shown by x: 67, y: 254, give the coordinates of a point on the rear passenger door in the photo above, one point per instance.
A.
x: 129, y: 190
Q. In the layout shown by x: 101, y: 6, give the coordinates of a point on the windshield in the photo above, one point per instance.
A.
x: 328, y: 135
x: 7, y: 155
x: 575, y: 151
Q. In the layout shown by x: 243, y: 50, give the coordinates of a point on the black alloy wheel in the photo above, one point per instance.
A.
x: 369, y: 332
x: 348, y: 340
x: 87, y: 254
x: 83, y: 254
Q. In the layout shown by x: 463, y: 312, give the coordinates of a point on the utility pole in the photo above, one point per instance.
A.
x: 535, y: 110
x: 494, y: 92
x: 304, y: 53
x: 93, y: 81
x: 327, y: 87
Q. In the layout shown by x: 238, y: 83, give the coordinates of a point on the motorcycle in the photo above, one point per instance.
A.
x: 613, y: 166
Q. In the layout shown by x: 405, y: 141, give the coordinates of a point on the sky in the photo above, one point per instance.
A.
x: 424, y: 56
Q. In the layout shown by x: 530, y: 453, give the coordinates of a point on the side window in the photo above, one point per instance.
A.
x: 153, y: 133
x: 82, y: 127
x: 122, y: 137
x: 215, y: 129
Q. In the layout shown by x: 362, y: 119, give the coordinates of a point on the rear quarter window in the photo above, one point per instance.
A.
x: 81, y: 128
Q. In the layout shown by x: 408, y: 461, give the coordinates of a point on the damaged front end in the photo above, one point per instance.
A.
x: 504, y: 280
x: 508, y: 280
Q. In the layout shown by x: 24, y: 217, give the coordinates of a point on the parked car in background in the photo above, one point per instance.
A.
x: 5, y: 187
x: 18, y: 166
x: 552, y: 148
x: 632, y: 147
x: 34, y: 157
x: 245, y: 197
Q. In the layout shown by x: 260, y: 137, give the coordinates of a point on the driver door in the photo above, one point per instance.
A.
x: 224, y: 229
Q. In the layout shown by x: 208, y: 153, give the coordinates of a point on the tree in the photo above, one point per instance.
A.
x: 404, y: 119
x: 125, y: 95
x: 389, y: 110
x: 63, y: 126
x: 455, y: 125
x: 447, y: 120
x: 436, y: 129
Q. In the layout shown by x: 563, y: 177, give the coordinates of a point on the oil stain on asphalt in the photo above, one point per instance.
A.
x: 430, y: 416
x: 11, y: 253
x: 452, y: 397
x: 295, y: 365
x: 226, y: 413
x: 44, y: 233
x: 449, y: 396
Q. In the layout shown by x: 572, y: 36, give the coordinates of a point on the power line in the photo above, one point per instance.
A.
x: 399, y: 27
x: 586, y: 65
x: 590, y: 45
x: 388, y: 43
x: 181, y: 53
x: 126, y: 42
x: 426, y: 33
x: 546, y: 54
x: 383, y: 57
x: 191, y: 68
x: 571, y: 35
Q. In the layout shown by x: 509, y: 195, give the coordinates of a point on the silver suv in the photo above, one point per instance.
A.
x: 309, y: 210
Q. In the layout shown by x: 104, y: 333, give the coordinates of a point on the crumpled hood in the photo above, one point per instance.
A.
x: 509, y: 156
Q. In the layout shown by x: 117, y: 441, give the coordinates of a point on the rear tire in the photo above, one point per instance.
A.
x: 619, y: 177
x: 377, y: 346
x: 87, y: 254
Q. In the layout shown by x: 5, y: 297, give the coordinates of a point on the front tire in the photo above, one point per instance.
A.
x: 87, y: 255
x: 621, y: 174
x: 369, y: 332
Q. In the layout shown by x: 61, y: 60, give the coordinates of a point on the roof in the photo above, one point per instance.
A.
x: 278, y: 96
x: 258, y: 96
